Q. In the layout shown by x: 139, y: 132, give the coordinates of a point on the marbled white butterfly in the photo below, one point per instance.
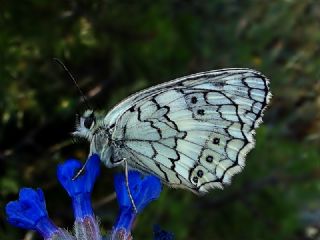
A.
x: 193, y: 132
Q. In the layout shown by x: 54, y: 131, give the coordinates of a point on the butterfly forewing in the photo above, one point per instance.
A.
x: 193, y: 132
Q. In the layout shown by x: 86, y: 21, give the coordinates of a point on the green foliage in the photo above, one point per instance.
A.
x: 115, y: 48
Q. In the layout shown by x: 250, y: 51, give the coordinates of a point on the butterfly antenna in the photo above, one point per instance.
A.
x: 84, y: 98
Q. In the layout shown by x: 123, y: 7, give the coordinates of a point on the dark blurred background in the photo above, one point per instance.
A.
x: 115, y: 48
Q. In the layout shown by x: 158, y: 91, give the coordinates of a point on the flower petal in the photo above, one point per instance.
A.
x: 85, y: 181
x: 150, y: 190
x: 29, y: 212
x: 159, y: 234
x: 143, y: 190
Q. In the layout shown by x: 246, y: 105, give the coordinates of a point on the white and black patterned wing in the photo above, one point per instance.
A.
x: 193, y: 132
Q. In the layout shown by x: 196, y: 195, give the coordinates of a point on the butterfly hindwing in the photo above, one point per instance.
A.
x: 193, y: 132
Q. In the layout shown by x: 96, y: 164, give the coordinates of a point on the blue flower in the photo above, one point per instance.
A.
x: 80, y: 188
x: 159, y: 234
x: 143, y: 191
x: 29, y: 212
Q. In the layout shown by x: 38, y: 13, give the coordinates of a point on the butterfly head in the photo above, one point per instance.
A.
x: 96, y: 132
x: 86, y: 125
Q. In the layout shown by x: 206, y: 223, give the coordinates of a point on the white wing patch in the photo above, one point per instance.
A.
x: 193, y: 132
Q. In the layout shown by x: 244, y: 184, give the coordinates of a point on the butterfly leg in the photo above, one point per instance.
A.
x: 127, y: 184
x: 80, y: 171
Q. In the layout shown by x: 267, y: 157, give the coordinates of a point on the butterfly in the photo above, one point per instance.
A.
x: 193, y: 132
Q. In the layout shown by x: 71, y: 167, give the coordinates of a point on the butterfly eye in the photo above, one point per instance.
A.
x: 89, y: 121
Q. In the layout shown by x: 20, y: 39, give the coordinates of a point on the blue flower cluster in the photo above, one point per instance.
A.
x: 29, y: 212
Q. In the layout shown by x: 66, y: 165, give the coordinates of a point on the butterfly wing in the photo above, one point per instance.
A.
x: 193, y: 132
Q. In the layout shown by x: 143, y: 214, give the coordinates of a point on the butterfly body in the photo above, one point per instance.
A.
x: 193, y: 132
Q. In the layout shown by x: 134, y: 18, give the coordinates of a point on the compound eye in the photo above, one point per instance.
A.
x: 89, y: 121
